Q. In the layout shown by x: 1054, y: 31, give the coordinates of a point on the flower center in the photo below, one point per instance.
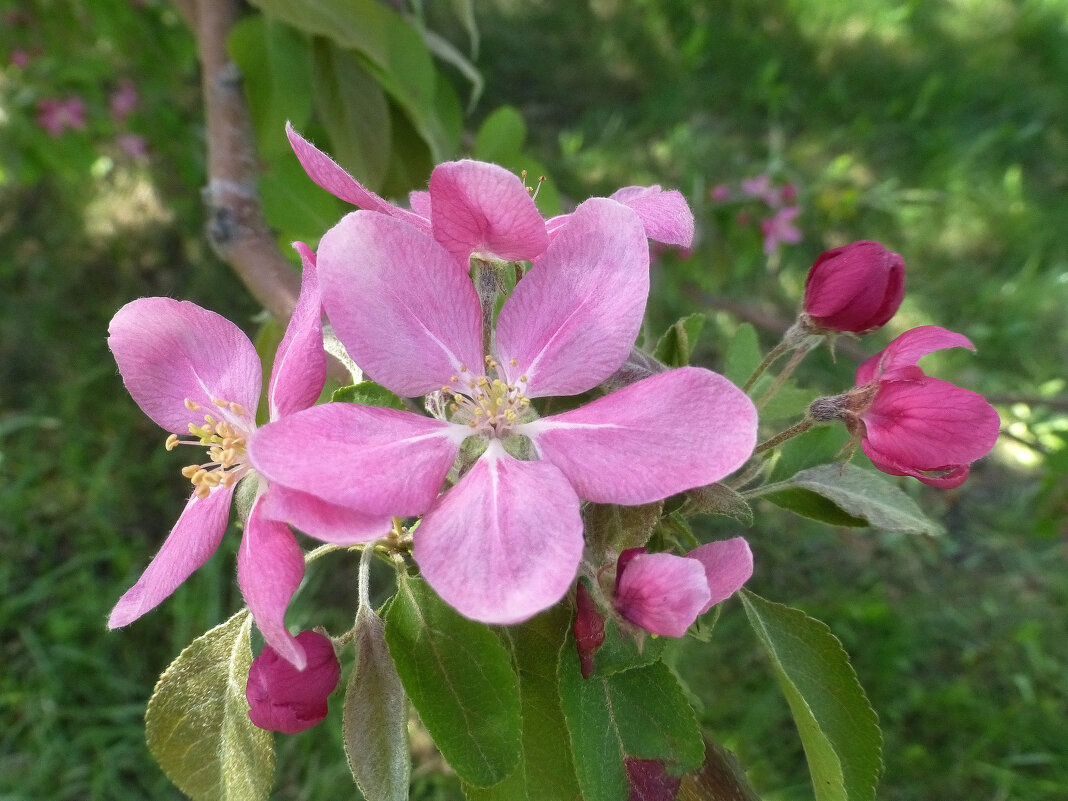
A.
x: 487, y: 404
x: 225, y: 439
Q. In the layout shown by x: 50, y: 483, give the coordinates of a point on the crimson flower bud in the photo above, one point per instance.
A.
x: 588, y: 629
x: 855, y: 288
x: 284, y: 699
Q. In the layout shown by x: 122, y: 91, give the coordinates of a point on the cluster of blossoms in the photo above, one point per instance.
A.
x: 777, y: 222
x: 484, y: 482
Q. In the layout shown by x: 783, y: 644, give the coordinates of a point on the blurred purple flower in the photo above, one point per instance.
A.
x: 57, y: 115
x: 124, y: 100
x: 780, y: 228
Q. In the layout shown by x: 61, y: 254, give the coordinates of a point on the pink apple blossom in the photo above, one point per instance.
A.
x: 505, y: 541
x: 912, y: 425
x: 856, y: 288
x: 58, y: 115
x: 195, y: 373
x: 474, y: 207
x: 287, y: 699
x: 124, y: 100
x: 780, y: 228
x: 664, y: 593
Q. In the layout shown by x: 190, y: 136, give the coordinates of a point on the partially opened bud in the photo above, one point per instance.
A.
x: 854, y: 288
x: 284, y: 699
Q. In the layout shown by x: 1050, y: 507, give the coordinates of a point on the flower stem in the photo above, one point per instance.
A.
x: 801, y: 352
x: 782, y: 436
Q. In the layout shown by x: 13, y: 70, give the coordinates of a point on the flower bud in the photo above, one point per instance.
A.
x: 855, y: 288
x: 284, y: 699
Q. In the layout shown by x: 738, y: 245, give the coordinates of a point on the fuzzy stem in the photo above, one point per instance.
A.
x: 782, y: 436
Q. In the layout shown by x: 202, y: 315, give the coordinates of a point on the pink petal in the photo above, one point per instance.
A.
x: 572, y: 320
x: 169, y: 350
x: 665, y: 215
x: 328, y: 174
x: 943, y: 477
x: 728, y: 565
x: 270, y: 567
x: 908, y: 349
x: 483, y: 208
x: 374, y: 460
x: 420, y: 203
x: 662, y: 593
x: 505, y: 542
x: 324, y: 521
x: 673, y: 431
x: 190, y: 544
x: 406, y: 315
x: 299, y: 371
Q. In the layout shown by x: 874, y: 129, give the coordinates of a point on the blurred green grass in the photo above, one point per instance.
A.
x: 937, y: 127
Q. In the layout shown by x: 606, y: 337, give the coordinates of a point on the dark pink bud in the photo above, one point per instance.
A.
x: 588, y: 629
x: 284, y: 699
x: 650, y: 781
x: 855, y: 288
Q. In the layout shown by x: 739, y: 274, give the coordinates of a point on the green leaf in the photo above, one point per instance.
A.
x: 838, y: 728
x: 375, y: 716
x: 639, y: 713
x: 460, y: 678
x: 275, y: 74
x: 294, y: 206
x: 743, y: 354
x: 720, y: 778
x: 197, y: 723
x: 813, y: 506
x: 675, y: 347
x: 611, y: 529
x: 545, y: 771
x: 623, y: 650
x: 719, y: 499
x: 367, y: 393
x: 859, y: 493
x: 354, y: 111
x: 820, y: 445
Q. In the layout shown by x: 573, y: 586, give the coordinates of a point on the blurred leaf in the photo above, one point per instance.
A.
x: 611, y: 529
x: 838, y: 728
x: 858, y: 492
x: 294, y: 206
x: 720, y: 778
x: 460, y: 678
x: 375, y: 716
x: 444, y: 50
x: 638, y: 713
x: 197, y: 723
x: 367, y: 393
x: 719, y: 499
x: 789, y: 399
x: 743, y: 354
x: 675, y: 347
x: 354, y: 111
x: 545, y: 771
x: 501, y: 135
x: 275, y: 69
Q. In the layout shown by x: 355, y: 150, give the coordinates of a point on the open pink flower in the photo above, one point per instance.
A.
x: 505, y: 541
x: 665, y: 594
x: 195, y: 373
x: 287, y: 699
x: 914, y: 425
x: 474, y: 207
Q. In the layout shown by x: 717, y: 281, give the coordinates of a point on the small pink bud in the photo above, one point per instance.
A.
x: 855, y: 288
x: 588, y: 629
x: 284, y: 699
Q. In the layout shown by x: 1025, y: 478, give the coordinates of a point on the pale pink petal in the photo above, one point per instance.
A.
x: 169, y: 350
x: 299, y: 371
x: 420, y: 203
x: 930, y: 423
x: 908, y: 349
x: 671, y: 432
x: 374, y: 460
x: 328, y: 174
x: 270, y: 567
x: 505, y: 542
x: 190, y: 544
x: 406, y: 315
x: 572, y: 320
x: 483, y: 208
x: 662, y: 593
x: 728, y: 565
x: 324, y: 521
x: 665, y: 215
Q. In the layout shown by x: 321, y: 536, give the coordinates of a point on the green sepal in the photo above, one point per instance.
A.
x: 675, y: 347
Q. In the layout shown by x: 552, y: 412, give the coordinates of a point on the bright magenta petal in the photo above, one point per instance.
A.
x: 169, y: 350
x: 728, y: 565
x: 505, y: 542
x: 330, y: 176
x: 572, y: 320
x: 270, y: 567
x: 662, y: 593
x: 299, y: 371
x: 483, y: 208
x: 665, y: 215
x: 664, y: 434
x: 907, y: 350
x: 376, y: 461
x: 406, y: 315
x: 190, y: 544
x: 324, y: 521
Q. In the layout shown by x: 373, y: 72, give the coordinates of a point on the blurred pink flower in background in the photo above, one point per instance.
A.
x: 58, y: 115
x: 780, y: 228
x: 133, y: 145
x: 20, y: 58
x: 124, y: 100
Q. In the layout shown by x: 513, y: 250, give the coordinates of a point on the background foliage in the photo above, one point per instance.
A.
x: 937, y: 127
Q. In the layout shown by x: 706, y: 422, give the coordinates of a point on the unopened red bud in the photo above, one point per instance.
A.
x: 284, y: 699
x: 855, y: 288
x: 588, y: 629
